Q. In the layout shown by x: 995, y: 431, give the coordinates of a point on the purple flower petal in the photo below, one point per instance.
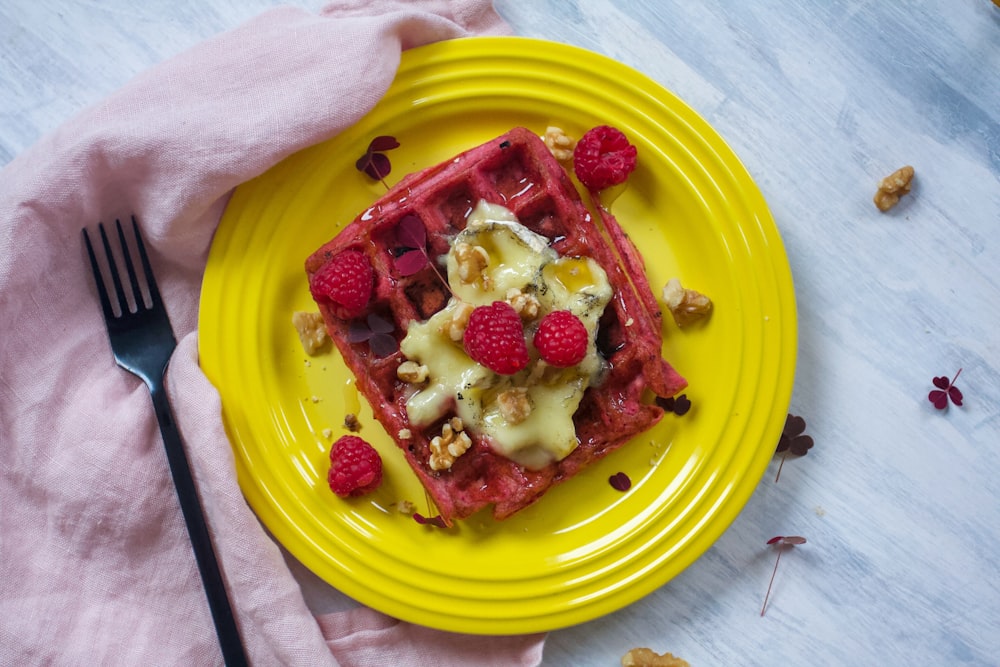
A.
x: 620, y: 482
x: 383, y: 143
x: 378, y: 166
x: 383, y: 345
x: 411, y: 233
x: 410, y: 262
x: 379, y: 324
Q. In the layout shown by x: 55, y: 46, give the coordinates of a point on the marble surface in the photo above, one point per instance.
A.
x: 900, y: 503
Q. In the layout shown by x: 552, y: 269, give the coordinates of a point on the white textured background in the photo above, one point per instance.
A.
x: 820, y: 99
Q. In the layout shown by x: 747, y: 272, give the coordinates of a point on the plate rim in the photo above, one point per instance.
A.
x: 443, y: 51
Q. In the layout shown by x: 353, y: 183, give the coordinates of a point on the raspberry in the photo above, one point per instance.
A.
x: 355, y: 467
x: 495, y: 338
x: 344, y: 282
x: 561, y: 339
x: 603, y: 157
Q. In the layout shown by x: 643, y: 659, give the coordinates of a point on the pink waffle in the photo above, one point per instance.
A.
x: 517, y: 171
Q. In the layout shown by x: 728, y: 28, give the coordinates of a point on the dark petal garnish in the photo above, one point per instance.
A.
x: 379, y: 324
x: 800, y: 445
x: 941, y: 382
x: 410, y: 262
x: 383, y: 143
x: 429, y: 521
x: 620, y: 481
x: 411, y: 233
x: 383, y: 345
x: 358, y: 332
x: 794, y: 426
x: 938, y: 398
x: 955, y: 395
x: 682, y: 405
x: 378, y: 166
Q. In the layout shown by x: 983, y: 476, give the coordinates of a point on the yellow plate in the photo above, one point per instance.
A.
x: 585, y: 549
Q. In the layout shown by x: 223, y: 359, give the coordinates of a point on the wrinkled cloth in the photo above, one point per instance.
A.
x: 96, y: 566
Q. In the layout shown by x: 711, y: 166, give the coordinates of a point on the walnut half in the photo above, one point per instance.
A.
x: 686, y: 305
x: 644, y: 657
x: 892, y: 187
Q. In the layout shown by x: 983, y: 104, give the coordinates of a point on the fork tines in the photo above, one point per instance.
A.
x: 122, y: 302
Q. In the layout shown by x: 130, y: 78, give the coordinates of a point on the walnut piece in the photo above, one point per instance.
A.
x: 559, y: 143
x: 311, y: 329
x: 352, y: 423
x: 411, y: 372
x: 526, y: 305
x: 515, y: 404
x: 452, y: 443
x: 455, y: 327
x: 472, y: 260
x: 686, y: 305
x: 644, y: 657
x: 892, y: 187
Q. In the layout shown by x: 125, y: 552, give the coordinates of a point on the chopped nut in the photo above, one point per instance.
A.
x: 412, y: 372
x: 559, y: 143
x: 452, y: 443
x: 327, y: 433
x: 405, y: 507
x: 404, y: 434
x: 351, y: 422
x: 892, y: 187
x: 472, y: 261
x: 515, y: 405
x: 686, y: 305
x: 455, y: 328
x: 526, y: 305
x: 644, y: 657
x: 311, y: 329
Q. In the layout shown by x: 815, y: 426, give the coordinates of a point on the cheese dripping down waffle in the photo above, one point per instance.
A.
x: 511, y: 178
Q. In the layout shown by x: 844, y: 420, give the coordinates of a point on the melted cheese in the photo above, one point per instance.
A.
x: 519, y: 260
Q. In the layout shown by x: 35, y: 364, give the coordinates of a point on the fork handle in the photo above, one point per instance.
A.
x: 218, y: 601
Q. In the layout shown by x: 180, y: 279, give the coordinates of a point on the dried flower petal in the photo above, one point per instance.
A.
x: 781, y: 541
x: 679, y: 405
x: 946, y: 390
x: 620, y: 482
x: 437, y: 520
x: 410, y: 232
x: 375, y: 163
x: 383, y: 142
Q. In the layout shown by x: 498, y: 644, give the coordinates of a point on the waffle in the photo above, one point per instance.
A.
x: 517, y: 171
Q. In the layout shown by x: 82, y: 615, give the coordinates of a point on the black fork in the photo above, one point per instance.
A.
x: 142, y: 342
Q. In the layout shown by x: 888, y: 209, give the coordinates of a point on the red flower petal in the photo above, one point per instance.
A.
x: 941, y: 382
x: 620, y: 481
x: 956, y: 395
x: 383, y: 143
x: 938, y: 398
x: 410, y: 262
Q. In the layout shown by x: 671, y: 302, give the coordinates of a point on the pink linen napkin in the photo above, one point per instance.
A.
x: 95, y: 563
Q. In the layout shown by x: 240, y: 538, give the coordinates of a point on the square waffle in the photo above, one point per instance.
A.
x: 517, y: 171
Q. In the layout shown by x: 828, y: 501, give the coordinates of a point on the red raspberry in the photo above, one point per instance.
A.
x: 562, y: 339
x: 344, y: 282
x: 495, y: 338
x: 355, y: 467
x: 603, y: 157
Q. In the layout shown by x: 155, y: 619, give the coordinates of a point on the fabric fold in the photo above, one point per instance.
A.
x: 95, y: 562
